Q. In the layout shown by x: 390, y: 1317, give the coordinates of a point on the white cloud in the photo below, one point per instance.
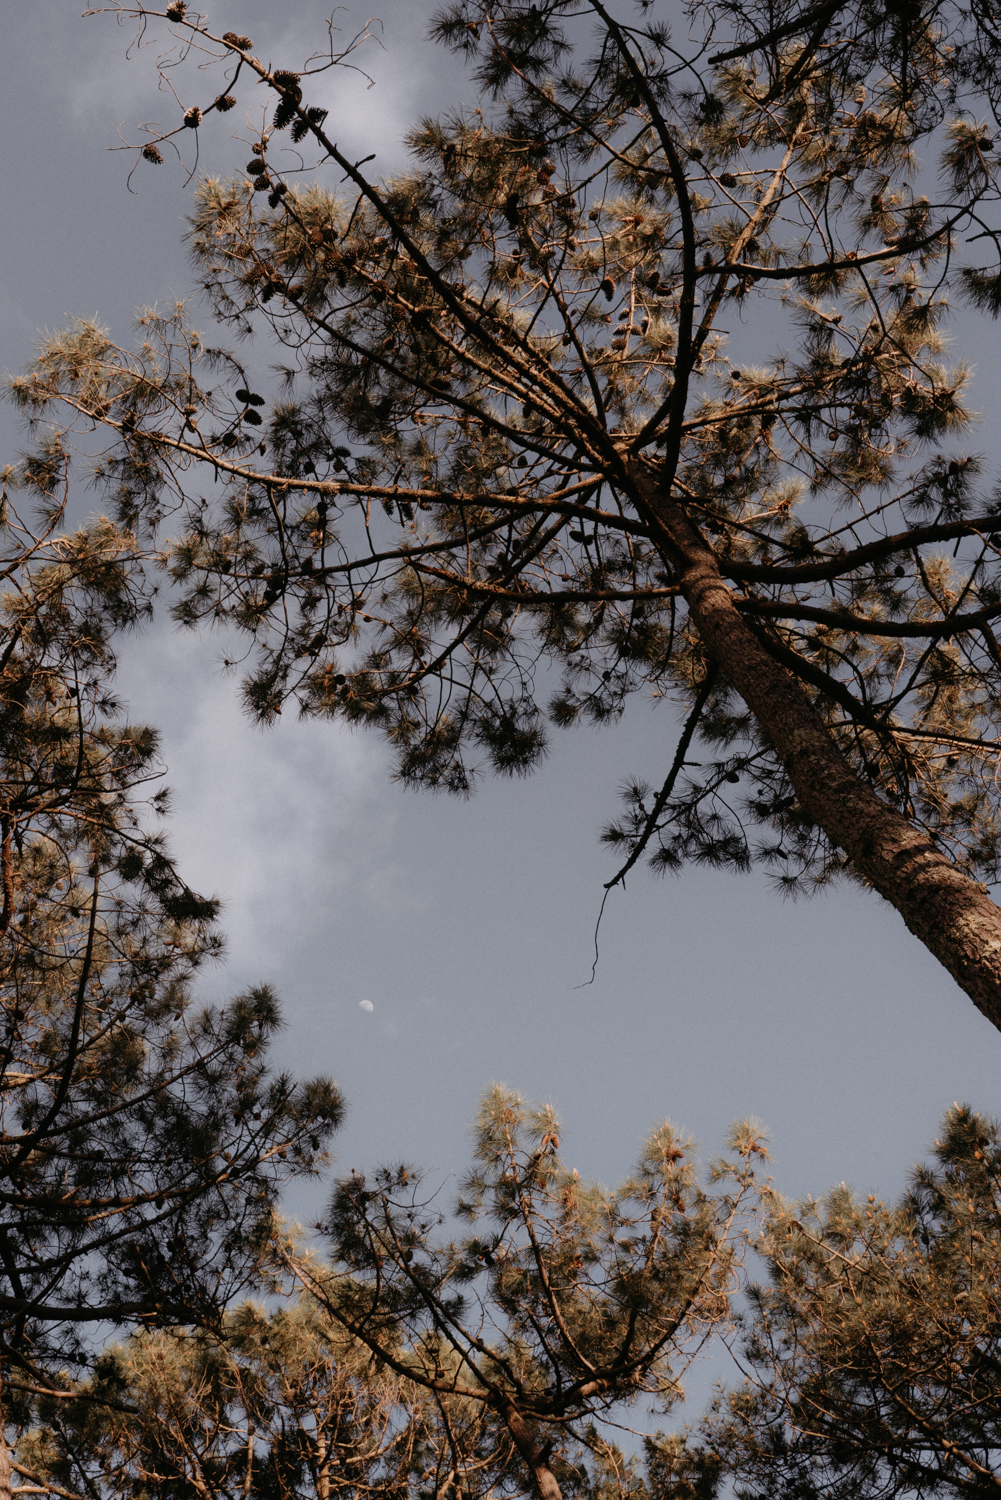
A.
x: 283, y: 823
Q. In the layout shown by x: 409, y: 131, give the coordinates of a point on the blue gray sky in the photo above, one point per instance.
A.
x: 467, y: 925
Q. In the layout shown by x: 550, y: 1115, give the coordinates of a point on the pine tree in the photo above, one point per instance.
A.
x: 142, y: 1139
x: 268, y: 1404
x: 525, y: 466
x: 563, y: 1304
x: 500, y: 1363
x: 873, y: 1349
x: 411, y: 1365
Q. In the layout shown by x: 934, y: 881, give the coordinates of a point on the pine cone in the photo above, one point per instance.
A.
x: 284, y: 114
x: 152, y: 154
x: 177, y: 10
x: 193, y: 117
x: 234, y: 39
x: 225, y: 102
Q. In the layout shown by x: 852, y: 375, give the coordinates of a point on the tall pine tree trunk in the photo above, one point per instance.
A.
x: 6, y: 1481
x: 951, y: 914
x: 545, y: 1481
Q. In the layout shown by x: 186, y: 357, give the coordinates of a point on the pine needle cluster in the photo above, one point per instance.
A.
x: 524, y: 467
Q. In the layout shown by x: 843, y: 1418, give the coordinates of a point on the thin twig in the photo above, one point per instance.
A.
x: 684, y: 744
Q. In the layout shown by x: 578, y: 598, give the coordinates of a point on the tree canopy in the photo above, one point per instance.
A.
x: 635, y: 382
x: 500, y: 1360
x: 872, y: 1349
x: 142, y: 1139
x: 510, y: 1360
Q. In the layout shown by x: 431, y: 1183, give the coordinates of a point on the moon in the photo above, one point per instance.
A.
x: 365, y: 1005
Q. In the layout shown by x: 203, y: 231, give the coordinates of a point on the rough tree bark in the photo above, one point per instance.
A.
x: 6, y: 1479
x: 951, y: 914
x: 542, y: 1475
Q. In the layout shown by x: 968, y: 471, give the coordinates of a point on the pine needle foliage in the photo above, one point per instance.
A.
x: 269, y: 1404
x: 143, y: 1139
x: 524, y: 467
x: 873, y: 1347
x: 563, y: 1303
x: 283, y: 1404
x: 412, y: 1365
